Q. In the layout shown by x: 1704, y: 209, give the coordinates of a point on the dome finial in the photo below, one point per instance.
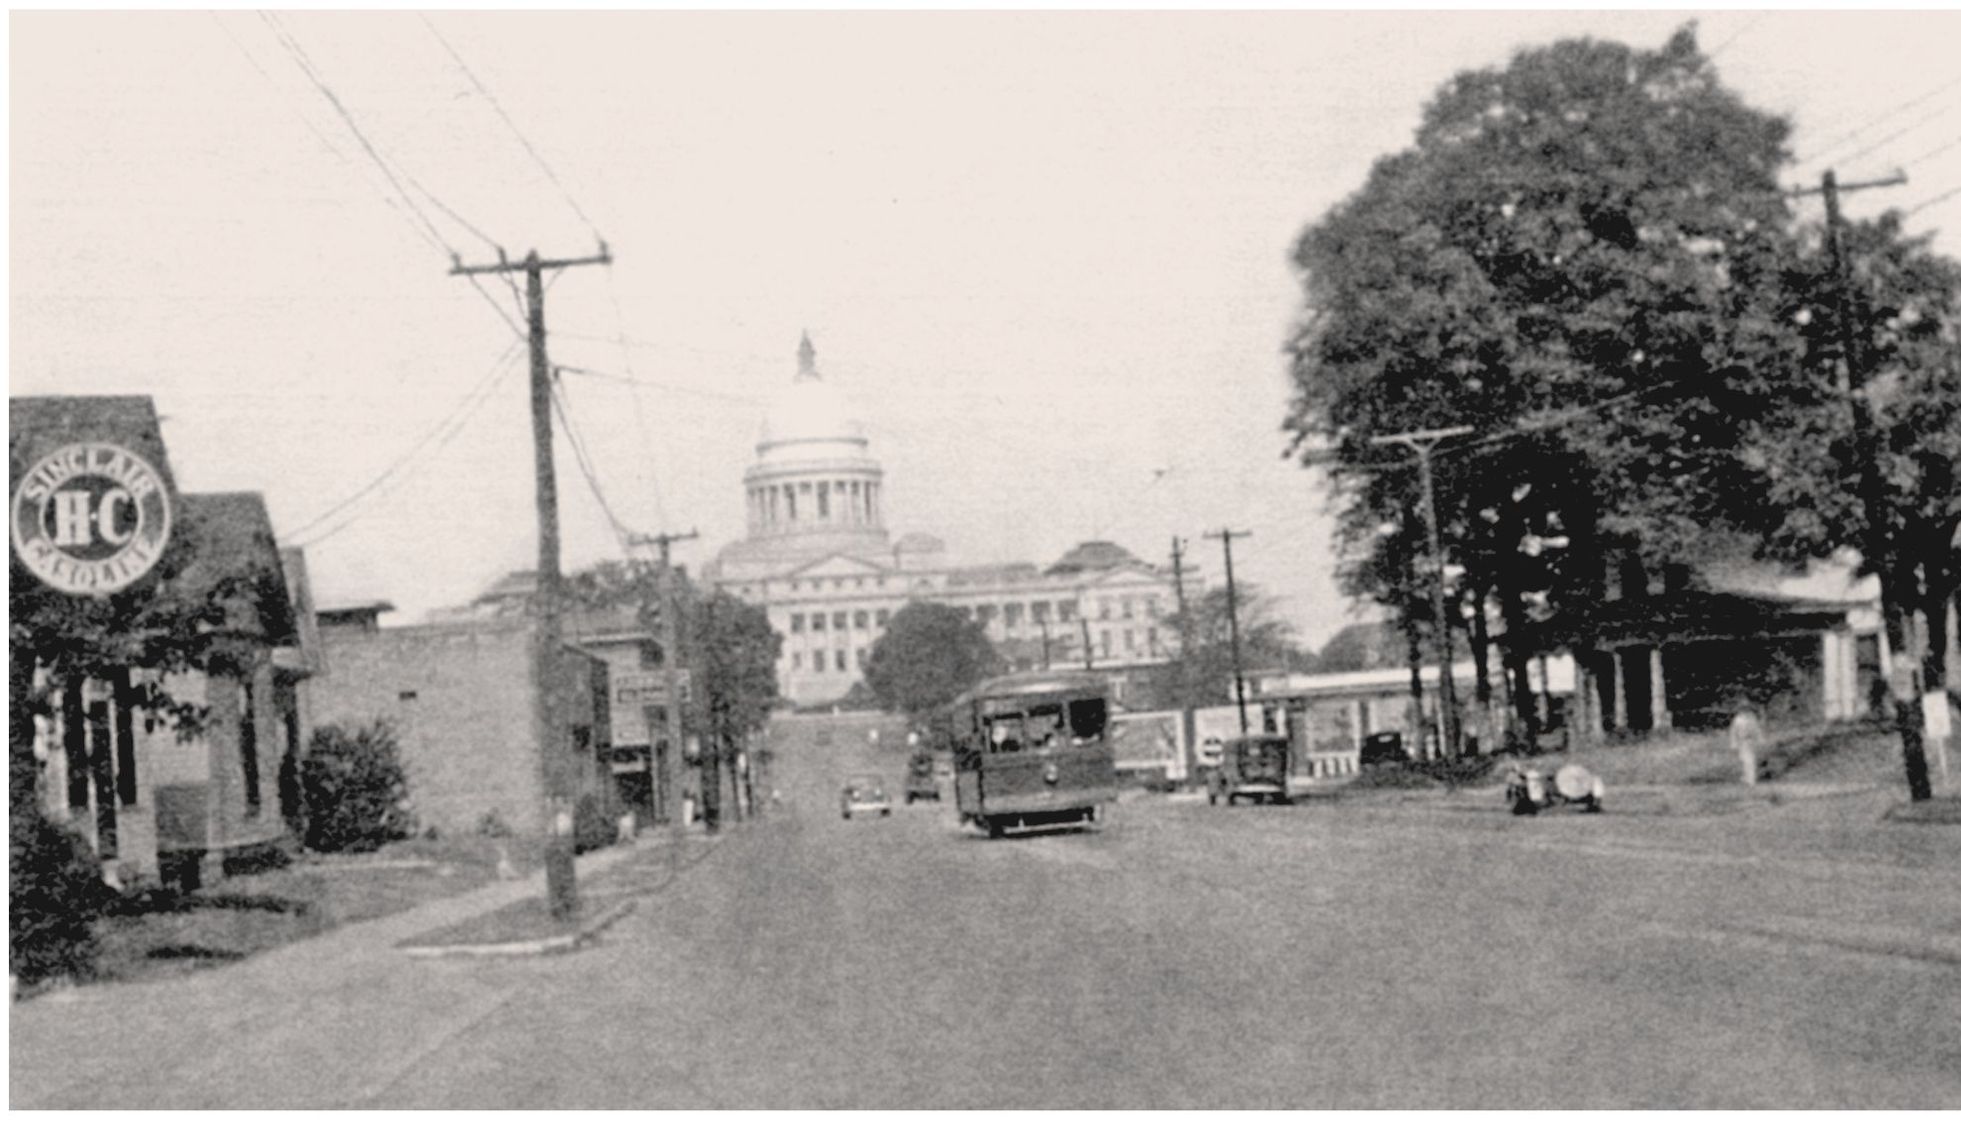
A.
x: 806, y: 356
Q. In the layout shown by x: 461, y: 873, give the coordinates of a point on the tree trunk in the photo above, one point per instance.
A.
x: 1907, y: 718
x: 1518, y: 662
x: 711, y: 774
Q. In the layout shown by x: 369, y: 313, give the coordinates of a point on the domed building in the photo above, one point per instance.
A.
x: 818, y: 556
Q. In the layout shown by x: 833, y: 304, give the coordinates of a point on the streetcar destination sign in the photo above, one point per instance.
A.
x: 90, y: 518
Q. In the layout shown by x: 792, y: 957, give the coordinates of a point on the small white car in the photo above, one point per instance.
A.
x: 864, y: 793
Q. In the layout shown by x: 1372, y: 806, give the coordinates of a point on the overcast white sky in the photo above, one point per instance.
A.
x: 1046, y: 255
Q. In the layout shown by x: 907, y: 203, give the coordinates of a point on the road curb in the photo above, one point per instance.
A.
x: 545, y: 946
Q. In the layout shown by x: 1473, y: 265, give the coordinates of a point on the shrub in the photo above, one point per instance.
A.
x: 354, y: 790
x: 596, y: 818
x: 57, y: 892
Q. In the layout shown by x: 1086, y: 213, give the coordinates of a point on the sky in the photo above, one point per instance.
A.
x: 1046, y: 255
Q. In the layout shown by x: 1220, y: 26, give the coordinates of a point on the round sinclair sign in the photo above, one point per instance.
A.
x: 90, y: 518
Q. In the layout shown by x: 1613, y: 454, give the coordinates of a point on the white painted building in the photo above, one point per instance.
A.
x: 819, y: 558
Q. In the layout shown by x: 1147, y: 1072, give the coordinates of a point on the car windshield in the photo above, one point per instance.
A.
x: 864, y: 786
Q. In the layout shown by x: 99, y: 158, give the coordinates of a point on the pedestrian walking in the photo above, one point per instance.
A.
x: 1746, y: 735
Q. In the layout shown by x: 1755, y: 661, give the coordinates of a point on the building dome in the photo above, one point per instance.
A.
x: 809, y: 409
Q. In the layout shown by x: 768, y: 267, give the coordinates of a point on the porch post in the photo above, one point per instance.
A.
x: 1662, y: 721
x: 1620, y: 688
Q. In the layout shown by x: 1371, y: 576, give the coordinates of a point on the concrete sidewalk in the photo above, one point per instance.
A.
x: 347, y: 1005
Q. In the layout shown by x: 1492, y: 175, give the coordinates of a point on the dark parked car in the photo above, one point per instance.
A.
x: 921, y: 780
x: 1383, y: 747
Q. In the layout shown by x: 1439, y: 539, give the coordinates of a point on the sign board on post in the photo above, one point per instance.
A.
x: 633, y: 692
x: 90, y: 518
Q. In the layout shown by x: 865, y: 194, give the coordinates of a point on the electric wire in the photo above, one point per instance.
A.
x: 584, y: 460
x: 1894, y: 136
x: 1933, y: 153
x: 433, y: 234
x: 652, y: 383
x: 444, y: 432
x: 519, y: 134
x: 1737, y: 34
x: 1853, y: 134
x: 1932, y: 201
x: 639, y: 408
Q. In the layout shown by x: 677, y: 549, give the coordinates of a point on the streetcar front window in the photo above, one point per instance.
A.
x: 1087, y: 719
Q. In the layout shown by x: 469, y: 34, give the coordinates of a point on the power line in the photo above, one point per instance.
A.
x: 639, y: 409
x: 433, y: 234
x: 519, y: 134
x: 1737, y: 34
x: 1933, y: 153
x: 441, y: 435
x: 1899, y: 133
x: 651, y: 383
x: 1853, y: 134
x: 1932, y: 201
x: 584, y: 461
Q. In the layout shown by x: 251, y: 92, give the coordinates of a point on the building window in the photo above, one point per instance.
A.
x: 838, y: 620
x: 1151, y: 640
x: 1126, y: 609
x: 985, y: 612
x: 796, y: 661
x: 860, y: 584
x: 861, y: 659
x: 796, y: 623
x: 1151, y: 607
x: 1103, y: 610
x: 1066, y: 610
x: 861, y: 619
x: 824, y: 501
x: 817, y: 660
x: 1129, y: 642
x: 1038, y: 612
x: 883, y: 617
x: 650, y: 655
x: 1011, y: 614
x: 841, y: 664
x: 790, y: 503
x: 1106, y: 642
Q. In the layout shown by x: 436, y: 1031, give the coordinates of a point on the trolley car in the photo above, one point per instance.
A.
x: 1032, y: 751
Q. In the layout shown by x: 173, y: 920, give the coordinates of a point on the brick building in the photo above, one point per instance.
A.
x: 461, y: 699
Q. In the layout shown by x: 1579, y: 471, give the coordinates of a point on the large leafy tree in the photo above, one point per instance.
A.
x: 1200, y: 670
x: 726, y: 644
x: 928, y: 655
x: 1578, y: 259
x: 1873, y: 468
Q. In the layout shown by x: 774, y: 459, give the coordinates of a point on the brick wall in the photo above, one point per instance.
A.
x: 460, y: 699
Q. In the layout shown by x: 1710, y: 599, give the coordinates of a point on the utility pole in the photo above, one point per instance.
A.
x: 1089, y: 655
x: 1227, y: 535
x: 1187, y: 721
x: 670, y: 637
x: 1878, y: 548
x: 1422, y: 441
x: 549, y: 692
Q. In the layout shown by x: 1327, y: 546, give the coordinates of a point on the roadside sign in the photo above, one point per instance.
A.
x: 90, y: 518
x: 634, y: 691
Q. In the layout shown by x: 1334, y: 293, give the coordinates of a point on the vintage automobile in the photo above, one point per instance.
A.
x: 1528, y: 791
x: 921, y: 780
x: 864, y: 793
x: 1031, y: 751
x: 1383, y: 747
x: 1251, y: 767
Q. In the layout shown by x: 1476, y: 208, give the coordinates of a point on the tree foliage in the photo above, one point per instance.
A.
x: 1580, y: 258
x: 1200, y: 670
x: 928, y: 655
x: 353, y: 789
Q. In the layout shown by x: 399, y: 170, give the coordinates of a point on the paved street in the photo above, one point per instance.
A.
x: 1436, y: 953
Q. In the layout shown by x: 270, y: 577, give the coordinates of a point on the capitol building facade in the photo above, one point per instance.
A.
x: 818, y: 557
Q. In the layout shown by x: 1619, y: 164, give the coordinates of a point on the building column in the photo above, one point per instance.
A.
x: 1662, y: 720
